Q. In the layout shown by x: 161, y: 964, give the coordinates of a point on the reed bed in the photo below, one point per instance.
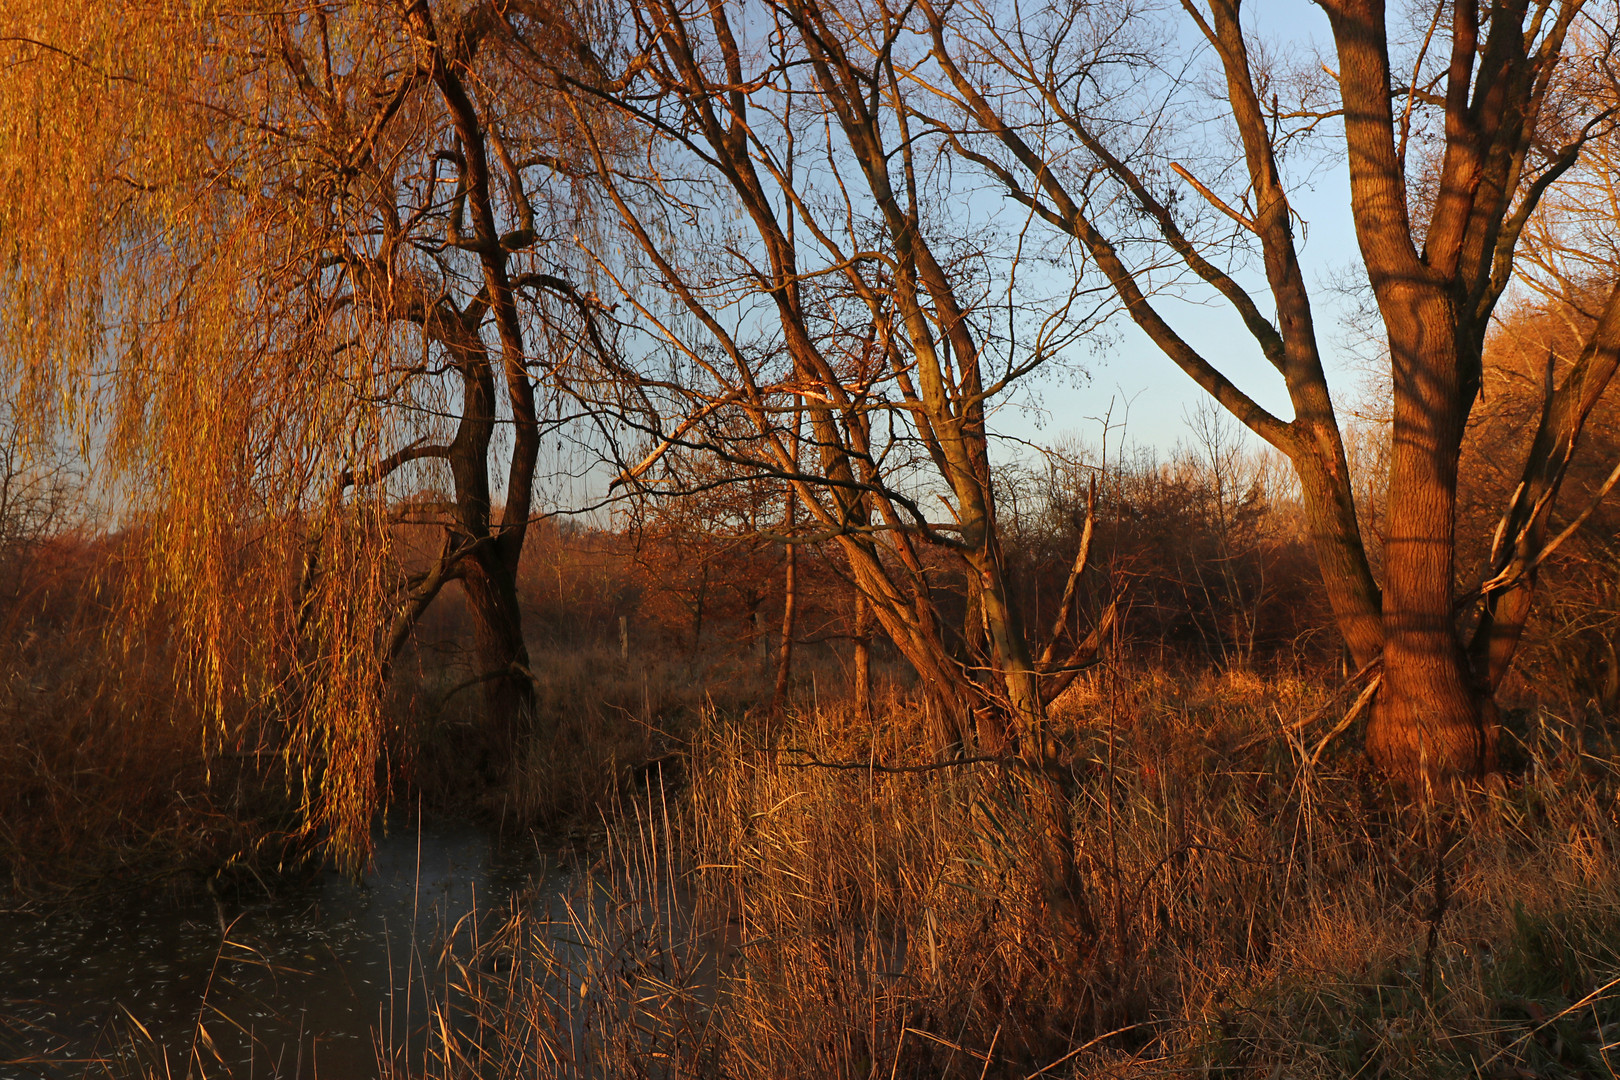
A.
x: 803, y: 907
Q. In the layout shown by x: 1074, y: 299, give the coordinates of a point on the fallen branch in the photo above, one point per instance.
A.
x: 1361, y: 703
x: 815, y: 762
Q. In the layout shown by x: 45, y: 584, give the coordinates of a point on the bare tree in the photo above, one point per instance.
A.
x: 38, y: 485
x: 792, y: 254
x: 1065, y: 109
x: 837, y: 296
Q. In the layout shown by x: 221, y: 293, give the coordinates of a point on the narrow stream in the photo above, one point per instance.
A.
x: 303, y: 985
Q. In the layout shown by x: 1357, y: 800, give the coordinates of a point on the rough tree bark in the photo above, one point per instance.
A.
x: 1436, y: 282
x: 1434, y: 719
x: 491, y: 577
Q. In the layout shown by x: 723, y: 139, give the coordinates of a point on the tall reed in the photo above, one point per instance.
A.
x: 802, y: 909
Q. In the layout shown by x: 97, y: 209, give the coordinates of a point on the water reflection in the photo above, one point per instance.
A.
x: 301, y: 986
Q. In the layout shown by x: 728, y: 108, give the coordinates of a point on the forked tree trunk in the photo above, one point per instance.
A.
x: 1429, y: 724
x: 917, y: 323
x: 490, y: 577
x: 1437, y: 281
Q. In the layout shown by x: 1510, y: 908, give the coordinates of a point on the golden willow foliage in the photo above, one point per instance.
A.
x: 169, y: 208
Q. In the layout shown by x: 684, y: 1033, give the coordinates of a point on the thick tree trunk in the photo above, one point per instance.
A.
x: 1433, y: 722
x: 1430, y: 724
x: 502, y: 658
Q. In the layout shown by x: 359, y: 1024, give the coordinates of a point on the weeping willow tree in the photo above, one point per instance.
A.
x: 278, y: 269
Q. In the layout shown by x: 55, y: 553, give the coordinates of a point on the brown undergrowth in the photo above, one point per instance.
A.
x: 110, y: 777
x: 603, y: 723
x: 800, y: 909
x: 114, y: 775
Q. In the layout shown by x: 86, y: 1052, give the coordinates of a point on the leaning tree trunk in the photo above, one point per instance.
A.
x: 1327, y: 498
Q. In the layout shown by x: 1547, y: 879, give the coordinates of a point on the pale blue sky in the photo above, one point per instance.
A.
x: 1144, y: 386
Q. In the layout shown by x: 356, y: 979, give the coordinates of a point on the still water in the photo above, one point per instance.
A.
x: 307, y: 983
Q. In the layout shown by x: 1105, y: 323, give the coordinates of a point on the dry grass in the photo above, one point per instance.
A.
x: 1240, y: 911
x: 1253, y: 915
x: 603, y: 722
x: 110, y: 777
